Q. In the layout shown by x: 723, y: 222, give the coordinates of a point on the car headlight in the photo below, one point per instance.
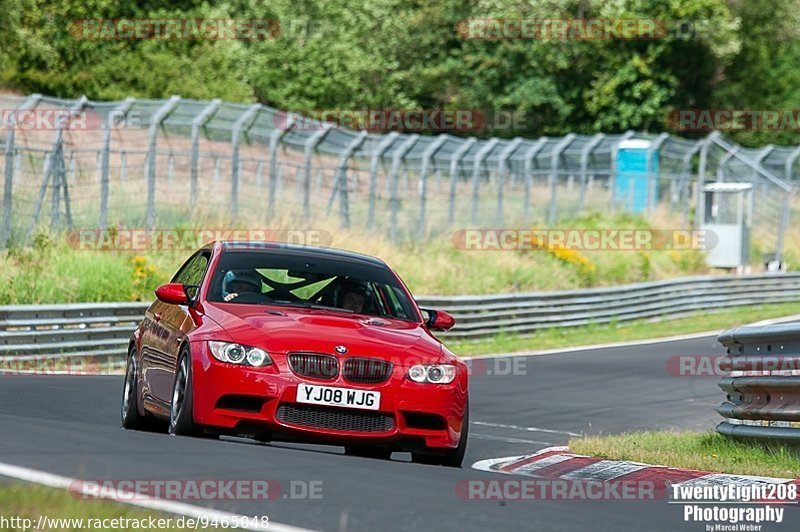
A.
x: 239, y: 354
x: 433, y: 373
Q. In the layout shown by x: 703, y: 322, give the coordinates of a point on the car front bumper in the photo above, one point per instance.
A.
x: 249, y: 401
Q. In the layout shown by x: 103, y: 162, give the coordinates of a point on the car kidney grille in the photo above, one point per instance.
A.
x: 334, y: 418
x: 368, y: 370
x: 314, y: 365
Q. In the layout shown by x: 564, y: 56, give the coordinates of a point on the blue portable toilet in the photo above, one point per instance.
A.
x: 634, y: 186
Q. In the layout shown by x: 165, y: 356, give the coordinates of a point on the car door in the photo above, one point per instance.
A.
x: 169, y: 326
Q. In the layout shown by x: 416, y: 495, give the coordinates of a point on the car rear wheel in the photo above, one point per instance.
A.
x: 181, y: 418
x: 131, y: 419
x: 452, y: 457
x: 368, y: 451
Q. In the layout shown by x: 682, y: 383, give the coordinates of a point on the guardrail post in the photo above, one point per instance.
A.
x: 8, y: 186
x: 118, y: 114
x: 242, y: 125
x: 455, y: 162
x: 198, y: 123
x: 383, y: 147
x: 555, y: 163
x: 484, y: 152
x: 427, y: 156
x: 159, y: 116
x: 501, y: 176
x: 394, y: 199
x: 341, y: 185
x: 586, y: 153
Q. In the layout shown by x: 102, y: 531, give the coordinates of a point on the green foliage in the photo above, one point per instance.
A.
x: 408, y: 55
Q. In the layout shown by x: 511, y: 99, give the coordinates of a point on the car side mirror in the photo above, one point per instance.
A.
x: 172, y: 293
x: 439, y: 320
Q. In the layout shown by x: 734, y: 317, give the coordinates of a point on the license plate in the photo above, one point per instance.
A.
x: 333, y: 396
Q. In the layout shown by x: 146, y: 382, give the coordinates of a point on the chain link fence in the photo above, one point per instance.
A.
x: 168, y: 163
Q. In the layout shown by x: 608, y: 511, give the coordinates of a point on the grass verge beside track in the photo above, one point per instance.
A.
x: 622, y: 332
x: 67, y: 511
x: 705, y: 451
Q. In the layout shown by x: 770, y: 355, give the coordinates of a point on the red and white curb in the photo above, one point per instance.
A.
x: 558, y: 463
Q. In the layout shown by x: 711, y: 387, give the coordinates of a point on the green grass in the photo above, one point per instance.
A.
x: 627, y: 331
x: 705, y: 451
x: 52, y: 271
x: 31, y: 502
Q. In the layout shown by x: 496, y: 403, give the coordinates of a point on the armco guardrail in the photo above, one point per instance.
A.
x: 104, y: 328
x: 763, y: 385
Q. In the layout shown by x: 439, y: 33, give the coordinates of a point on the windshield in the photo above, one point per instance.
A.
x: 270, y: 278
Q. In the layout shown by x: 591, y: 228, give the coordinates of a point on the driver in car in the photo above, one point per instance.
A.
x: 237, y: 283
x: 354, y: 297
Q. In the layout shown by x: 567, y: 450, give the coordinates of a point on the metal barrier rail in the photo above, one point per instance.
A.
x: 53, y: 331
x: 763, y: 385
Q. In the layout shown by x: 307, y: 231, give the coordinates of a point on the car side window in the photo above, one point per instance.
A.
x: 191, y: 273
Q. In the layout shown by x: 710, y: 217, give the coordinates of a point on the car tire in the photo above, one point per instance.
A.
x: 368, y: 451
x: 130, y: 416
x: 452, y: 457
x: 181, y: 416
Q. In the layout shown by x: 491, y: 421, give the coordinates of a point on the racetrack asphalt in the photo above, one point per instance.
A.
x: 69, y: 425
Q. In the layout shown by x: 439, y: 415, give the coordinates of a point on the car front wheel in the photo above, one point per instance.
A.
x: 181, y: 420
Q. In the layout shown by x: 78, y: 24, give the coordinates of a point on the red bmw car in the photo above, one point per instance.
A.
x: 284, y: 342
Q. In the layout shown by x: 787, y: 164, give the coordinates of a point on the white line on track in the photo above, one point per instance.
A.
x: 525, y: 429
x: 508, y: 440
x: 135, y: 499
x: 650, y: 341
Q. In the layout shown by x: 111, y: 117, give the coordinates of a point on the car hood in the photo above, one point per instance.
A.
x: 285, y: 329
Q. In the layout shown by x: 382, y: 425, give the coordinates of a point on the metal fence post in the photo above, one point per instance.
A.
x: 385, y: 144
x: 501, y: 175
x: 155, y: 123
x: 555, y: 163
x: 394, y: 199
x: 788, y: 168
x: 242, y: 125
x: 8, y: 185
x: 341, y: 179
x: 198, y: 123
x: 59, y: 178
x: 530, y: 157
x: 701, y: 177
x: 485, y: 150
x: 612, y: 178
x: 783, y: 225
x: 308, y: 151
x: 430, y: 151
x: 686, y: 179
x: 274, y: 140
x: 114, y: 117
x: 652, y: 180
x: 586, y: 153
x: 455, y: 162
